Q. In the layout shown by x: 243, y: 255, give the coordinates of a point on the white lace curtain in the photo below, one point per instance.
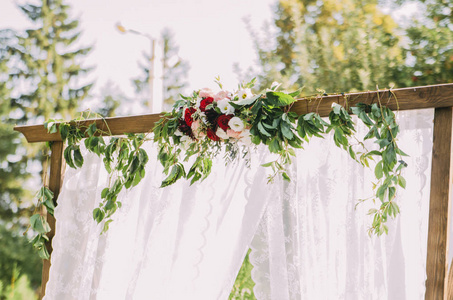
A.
x: 187, y: 242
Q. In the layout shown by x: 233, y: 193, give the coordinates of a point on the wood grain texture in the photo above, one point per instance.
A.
x: 55, y: 181
x: 450, y: 282
x: 439, y: 207
x: 408, y: 98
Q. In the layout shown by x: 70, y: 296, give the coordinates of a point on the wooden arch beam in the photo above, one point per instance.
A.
x: 432, y: 96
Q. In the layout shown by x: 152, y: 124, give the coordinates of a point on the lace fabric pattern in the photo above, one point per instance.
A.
x: 179, y: 242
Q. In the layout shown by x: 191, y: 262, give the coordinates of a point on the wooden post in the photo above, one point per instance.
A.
x: 439, y: 207
x: 56, y: 160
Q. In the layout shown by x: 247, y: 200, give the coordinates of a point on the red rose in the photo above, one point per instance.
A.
x: 205, y: 102
x: 223, y: 120
x: 211, y: 134
x: 188, y: 115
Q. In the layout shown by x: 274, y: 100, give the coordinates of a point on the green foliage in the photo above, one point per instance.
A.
x: 243, y: 286
x: 17, y: 259
x: 430, y: 47
x: 45, y: 62
x: 20, y: 289
x: 123, y: 158
x: 340, y: 46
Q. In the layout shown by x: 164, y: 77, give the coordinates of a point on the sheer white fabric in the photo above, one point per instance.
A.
x: 312, y: 243
x: 179, y: 242
x: 187, y: 242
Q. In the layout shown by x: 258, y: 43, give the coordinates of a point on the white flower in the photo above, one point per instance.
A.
x: 225, y: 106
x: 236, y: 124
x: 178, y: 132
x: 221, y: 134
x: 244, y: 94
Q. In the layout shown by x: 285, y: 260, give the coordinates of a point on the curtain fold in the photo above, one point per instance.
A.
x: 179, y: 242
x: 312, y: 242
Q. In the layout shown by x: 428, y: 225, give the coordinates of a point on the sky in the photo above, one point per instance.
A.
x: 211, y: 35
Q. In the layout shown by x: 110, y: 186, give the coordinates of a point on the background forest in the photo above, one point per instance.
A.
x: 329, y: 46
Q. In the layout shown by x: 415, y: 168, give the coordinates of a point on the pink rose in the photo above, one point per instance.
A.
x: 221, y: 95
x: 206, y: 93
x: 195, y: 126
x: 233, y: 134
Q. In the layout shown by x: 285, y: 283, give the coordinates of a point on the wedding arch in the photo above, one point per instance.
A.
x: 437, y: 97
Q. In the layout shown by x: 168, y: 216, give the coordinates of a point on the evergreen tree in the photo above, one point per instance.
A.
x: 16, y: 254
x: 13, y: 164
x: 338, y: 46
x: 40, y: 70
x: 46, y: 63
x: 174, y: 71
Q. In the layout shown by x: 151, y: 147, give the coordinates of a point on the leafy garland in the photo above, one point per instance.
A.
x: 199, y: 126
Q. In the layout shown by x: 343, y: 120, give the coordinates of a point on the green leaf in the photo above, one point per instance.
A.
x: 78, y: 158
x: 285, y: 176
x: 401, y: 181
x: 267, y: 164
x: 392, y: 192
x: 378, y: 172
x: 286, y: 131
x: 262, y: 130
x: 278, y: 99
x: 39, y: 224
x: 175, y: 174
x: 296, y: 93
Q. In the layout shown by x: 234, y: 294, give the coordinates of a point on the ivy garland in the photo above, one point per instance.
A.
x: 200, y: 126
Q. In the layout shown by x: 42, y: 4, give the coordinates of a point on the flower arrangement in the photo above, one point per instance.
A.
x: 202, y: 123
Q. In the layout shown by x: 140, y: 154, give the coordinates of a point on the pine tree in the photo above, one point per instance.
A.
x: 13, y: 171
x: 16, y: 254
x: 40, y: 70
x: 175, y: 71
x: 46, y: 63
x: 338, y: 46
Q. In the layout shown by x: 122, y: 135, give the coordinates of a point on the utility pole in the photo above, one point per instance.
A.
x: 155, y: 75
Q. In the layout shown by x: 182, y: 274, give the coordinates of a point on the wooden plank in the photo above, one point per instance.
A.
x: 450, y: 282
x: 407, y: 98
x: 439, y: 207
x: 112, y: 126
x: 55, y: 181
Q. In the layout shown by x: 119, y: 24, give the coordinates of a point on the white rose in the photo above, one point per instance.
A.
x: 236, y: 124
x: 225, y: 106
x: 221, y: 134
